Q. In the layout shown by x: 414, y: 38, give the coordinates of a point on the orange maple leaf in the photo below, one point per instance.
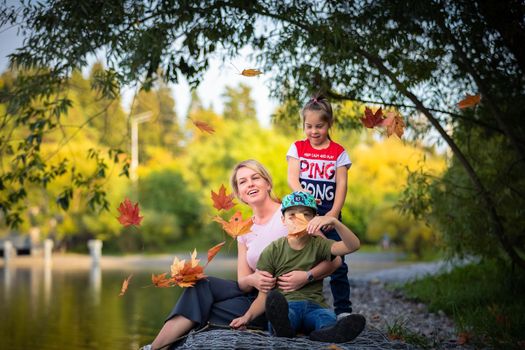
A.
x: 213, y: 251
x: 160, y: 280
x: 125, y: 285
x: 371, y: 119
x: 187, y: 273
x: 394, y: 124
x: 236, y: 226
x: 251, y: 72
x: 203, y: 126
x: 129, y: 213
x: 222, y: 200
x: 463, y: 338
x: 469, y: 101
x: 298, y: 229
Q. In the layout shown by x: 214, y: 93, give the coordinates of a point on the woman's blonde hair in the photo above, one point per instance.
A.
x: 255, y: 166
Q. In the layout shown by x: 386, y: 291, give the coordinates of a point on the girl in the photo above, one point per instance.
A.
x: 320, y: 166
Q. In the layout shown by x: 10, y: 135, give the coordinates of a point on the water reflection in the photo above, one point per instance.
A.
x: 95, y: 283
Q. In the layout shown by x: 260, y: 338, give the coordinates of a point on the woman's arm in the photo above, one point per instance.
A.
x: 341, y: 178
x: 293, y: 174
x: 295, y: 280
x: 246, y: 278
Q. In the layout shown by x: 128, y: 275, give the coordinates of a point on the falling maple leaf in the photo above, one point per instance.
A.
x: 298, y: 229
x: 161, y: 281
x: 203, y: 126
x: 394, y: 124
x: 213, y: 251
x: 251, y: 72
x: 222, y: 200
x: 187, y: 273
x: 125, y: 285
x: 129, y: 213
x: 236, y: 226
x: 469, y: 101
x: 371, y: 119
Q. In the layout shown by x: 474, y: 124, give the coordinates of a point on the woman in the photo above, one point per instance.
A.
x: 220, y: 301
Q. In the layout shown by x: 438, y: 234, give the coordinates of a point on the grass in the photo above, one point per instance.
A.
x: 486, y: 300
x: 398, y: 331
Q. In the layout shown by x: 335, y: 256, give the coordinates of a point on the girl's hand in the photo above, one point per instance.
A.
x: 239, y: 322
x: 263, y: 281
x: 319, y: 222
x: 293, y: 280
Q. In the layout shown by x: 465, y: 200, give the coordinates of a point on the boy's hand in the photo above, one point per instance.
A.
x: 318, y: 222
x: 330, y: 227
x: 263, y: 281
x: 240, y: 322
x: 293, y: 280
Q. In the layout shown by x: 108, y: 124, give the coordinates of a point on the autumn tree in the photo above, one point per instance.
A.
x: 238, y: 103
x: 421, y: 57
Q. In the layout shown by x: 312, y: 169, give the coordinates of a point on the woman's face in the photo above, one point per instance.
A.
x: 252, y: 186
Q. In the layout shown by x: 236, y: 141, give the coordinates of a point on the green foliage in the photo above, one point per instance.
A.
x: 399, y: 330
x: 491, y: 308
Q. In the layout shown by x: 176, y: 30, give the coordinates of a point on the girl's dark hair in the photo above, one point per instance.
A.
x: 320, y: 103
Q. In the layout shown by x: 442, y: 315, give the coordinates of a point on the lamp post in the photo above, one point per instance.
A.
x: 135, y: 121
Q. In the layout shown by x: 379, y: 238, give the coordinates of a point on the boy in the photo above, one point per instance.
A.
x: 303, y: 309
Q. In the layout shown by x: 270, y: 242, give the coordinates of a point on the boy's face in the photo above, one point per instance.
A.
x: 291, y: 213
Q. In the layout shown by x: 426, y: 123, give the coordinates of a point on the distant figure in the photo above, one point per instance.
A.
x: 385, y: 241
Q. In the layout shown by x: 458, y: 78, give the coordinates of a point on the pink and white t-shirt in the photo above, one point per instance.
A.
x: 261, y: 236
x: 318, y: 168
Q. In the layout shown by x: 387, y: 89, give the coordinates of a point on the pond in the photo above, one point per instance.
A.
x: 71, y: 305
x: 75, y: 308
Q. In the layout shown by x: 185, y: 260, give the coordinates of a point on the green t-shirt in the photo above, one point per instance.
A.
x: 279, y: 258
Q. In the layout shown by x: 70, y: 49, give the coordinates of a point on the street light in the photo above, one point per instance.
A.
x: 135, y: 121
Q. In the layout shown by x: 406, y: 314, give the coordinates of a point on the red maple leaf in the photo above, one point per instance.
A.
x: 129, y: 213
x: 372, y: 119
x: 222, y: 200
x: 213, y: 251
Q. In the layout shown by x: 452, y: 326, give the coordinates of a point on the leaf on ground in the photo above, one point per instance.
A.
x: 394, y: 124
x: 222, y: 200
x: 463, y: 338
x: 213, y: 251
x: 333, y: 347
x: 298, y: 229
x: 125, y: 285
x: 129, y: 213
x: 469, y: 101
x: 251, y: 72
x: 236, y: 226
x: 203, y: 126
x: 372, y: 119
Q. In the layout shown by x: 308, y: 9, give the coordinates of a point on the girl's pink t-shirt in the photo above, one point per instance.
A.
x: 261, y: 236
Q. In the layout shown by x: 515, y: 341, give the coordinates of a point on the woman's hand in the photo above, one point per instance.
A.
x: 263, y: 281
x: 240, y: 322
x: 319, y: 222
x: 292, y: 280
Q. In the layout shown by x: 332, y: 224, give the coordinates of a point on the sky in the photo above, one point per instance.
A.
x: 218, y: 76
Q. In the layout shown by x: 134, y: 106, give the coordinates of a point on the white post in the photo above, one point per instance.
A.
x: 48, y: 251
x: 8, y: 251
x: 95, y: 250
x: 135, y: 121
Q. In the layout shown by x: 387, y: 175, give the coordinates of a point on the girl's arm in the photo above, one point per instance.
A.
x: 295, y: 280
x: 341, y: 179
x: 246, y: 278
x: 293, y: 174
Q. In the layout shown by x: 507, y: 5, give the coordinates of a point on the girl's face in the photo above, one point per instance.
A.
x: 252, y: 186
x: 315, y: 128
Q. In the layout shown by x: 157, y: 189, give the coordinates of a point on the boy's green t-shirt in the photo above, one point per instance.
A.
x: 279, y: 258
